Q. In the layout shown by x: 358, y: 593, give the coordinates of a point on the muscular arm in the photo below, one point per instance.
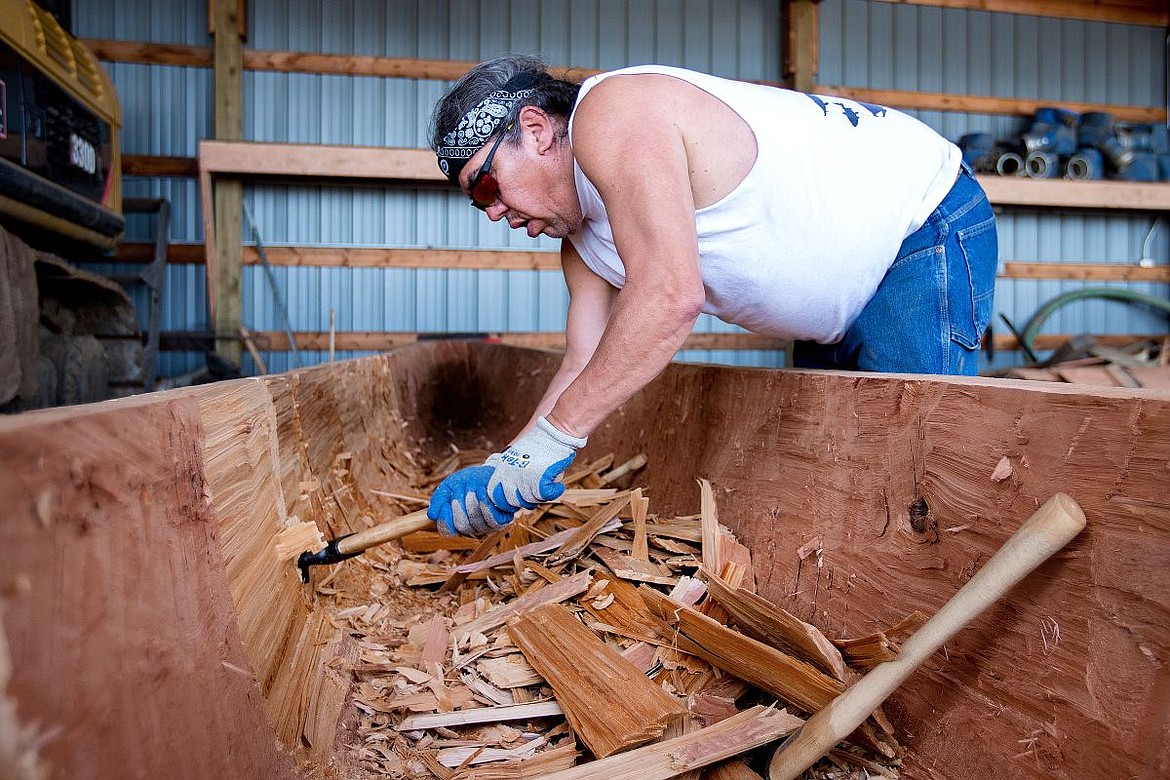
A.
x: 590, y: 303
x: 628, y: 142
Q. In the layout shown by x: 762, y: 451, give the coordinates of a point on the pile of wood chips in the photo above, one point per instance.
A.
x: 1143, y: 364
x: 590, y: 639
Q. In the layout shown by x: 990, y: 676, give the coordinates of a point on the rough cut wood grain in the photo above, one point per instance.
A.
x: 611, y: 705
x: 893, y: 473
x: 761, y: 619
x: 502, y: 613
x: 734, y: 769
x: 791, y: 680
x: 123, y: 638
x: 739, y: 733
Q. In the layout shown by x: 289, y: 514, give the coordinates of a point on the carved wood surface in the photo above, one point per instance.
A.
x: 122, y: 575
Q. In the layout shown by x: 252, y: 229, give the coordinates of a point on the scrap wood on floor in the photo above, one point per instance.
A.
x: 588, y: 639
x: 1142, y: 364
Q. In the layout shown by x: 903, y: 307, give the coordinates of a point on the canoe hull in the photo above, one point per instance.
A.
x: 140, y: 534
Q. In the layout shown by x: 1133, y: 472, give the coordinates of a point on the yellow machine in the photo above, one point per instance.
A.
x: 60, y: 164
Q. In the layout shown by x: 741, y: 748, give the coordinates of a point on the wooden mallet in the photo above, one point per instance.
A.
x: 1050, y: 528
x: 348, y: 546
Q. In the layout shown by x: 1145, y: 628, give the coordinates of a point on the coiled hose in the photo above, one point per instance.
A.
x: 1028, y: 334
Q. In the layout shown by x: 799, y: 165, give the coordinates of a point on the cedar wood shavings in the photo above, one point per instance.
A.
x: 567, y: 637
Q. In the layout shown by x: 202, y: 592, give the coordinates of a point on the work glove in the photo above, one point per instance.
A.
x: 460, y: 504
x: 479, y: 499
x: 529, y: 471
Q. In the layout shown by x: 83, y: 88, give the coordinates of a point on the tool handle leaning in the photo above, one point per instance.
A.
x: 388, y: 531
x: 1049, y: 529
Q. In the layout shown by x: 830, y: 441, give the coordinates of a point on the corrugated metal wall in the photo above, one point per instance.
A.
x: 863, y: 44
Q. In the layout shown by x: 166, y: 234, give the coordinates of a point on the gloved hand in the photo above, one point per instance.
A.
x: 528, y: 472
x: 460, y: 504
x: 480, y: 499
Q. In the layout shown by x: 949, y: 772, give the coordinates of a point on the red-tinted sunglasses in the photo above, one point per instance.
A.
x: 484, y: 189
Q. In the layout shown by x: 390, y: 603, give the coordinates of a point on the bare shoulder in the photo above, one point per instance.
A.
x: 691, y: 134
x: 626, y: 112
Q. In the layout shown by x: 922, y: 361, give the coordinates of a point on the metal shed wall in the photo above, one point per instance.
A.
x: 863, y: 44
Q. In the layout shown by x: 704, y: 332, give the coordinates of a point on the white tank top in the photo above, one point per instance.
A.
x: 798, y: 248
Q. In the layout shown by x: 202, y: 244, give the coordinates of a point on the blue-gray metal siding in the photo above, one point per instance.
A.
x: 863, y: 44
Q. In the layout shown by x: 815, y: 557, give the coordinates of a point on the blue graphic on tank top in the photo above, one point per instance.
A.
x: 848, y: 108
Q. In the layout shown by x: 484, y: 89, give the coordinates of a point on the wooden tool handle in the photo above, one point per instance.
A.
x: 393, y: 529
x: 1049, y: 529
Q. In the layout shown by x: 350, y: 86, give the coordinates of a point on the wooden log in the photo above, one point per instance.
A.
x: 610, y: 704
x: 894, y: 539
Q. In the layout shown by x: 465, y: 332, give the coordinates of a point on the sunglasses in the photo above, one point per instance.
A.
x: 484, y: 189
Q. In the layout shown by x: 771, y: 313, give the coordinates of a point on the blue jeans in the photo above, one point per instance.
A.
x: 931, y: 308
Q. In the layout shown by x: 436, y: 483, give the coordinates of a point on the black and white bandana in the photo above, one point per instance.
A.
x: 480, y: 123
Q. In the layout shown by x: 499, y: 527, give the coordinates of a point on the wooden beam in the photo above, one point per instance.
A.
x: 359, y: 257
x: 142, y: 53
x: 518, y: 260
x: 1059, y: 193
x: 979, y: 104
x: 484, y: 259
x: 318, y: 160
x: 224, y: 288
x: 1045, y: 341
x: 154, y: 165
x: 1152, y: 13
x: 801, y: 38
x: 355, y: 65
x: 381, y: 341
x: 397, y: 164
x: 1113, y: 272
x: 377, y: 341
x: 448, y: 70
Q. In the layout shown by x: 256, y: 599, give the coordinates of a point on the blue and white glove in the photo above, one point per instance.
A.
x: 460, y: 504
x: 529, y: 471
x: 479, y: 499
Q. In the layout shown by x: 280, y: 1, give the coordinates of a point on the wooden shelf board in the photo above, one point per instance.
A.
x: 1059, y: 193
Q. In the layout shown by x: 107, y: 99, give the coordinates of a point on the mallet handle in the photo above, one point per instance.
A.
x: 388, y: 531
x: 1050, y: 528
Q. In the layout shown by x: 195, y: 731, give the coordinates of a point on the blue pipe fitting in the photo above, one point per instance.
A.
x: 1042, y: 165
x: 1086, y: 164
x: 978, y: 150
x: 1009, y: 163
x: 1053, y: 130
x: 1143, y: 167
x: 1097, y: 130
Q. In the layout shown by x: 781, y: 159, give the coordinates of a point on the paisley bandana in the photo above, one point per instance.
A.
x: 480, y: 123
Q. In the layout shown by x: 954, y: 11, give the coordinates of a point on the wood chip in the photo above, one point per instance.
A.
x: 611, y: 705
x: 481, y: 715
x: 749, y: 729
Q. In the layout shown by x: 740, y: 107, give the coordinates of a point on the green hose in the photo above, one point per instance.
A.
x: 1028, y: 334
